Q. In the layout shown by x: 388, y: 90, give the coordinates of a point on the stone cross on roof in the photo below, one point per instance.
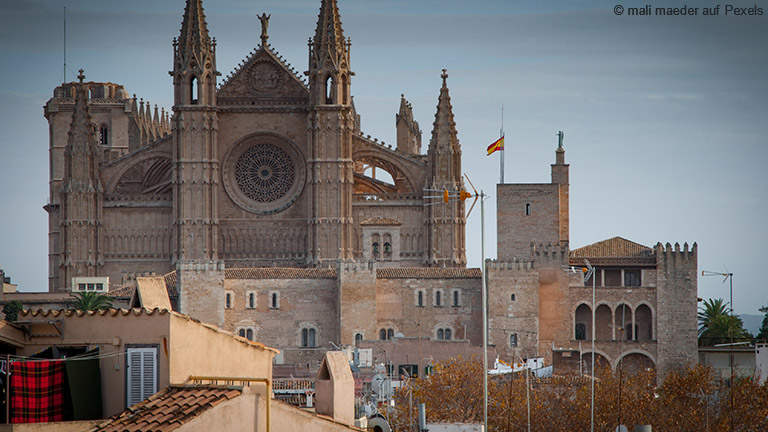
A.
x: 81, y: 76
x: 444, y: 75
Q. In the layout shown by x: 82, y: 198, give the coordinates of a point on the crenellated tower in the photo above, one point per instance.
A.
x: 81, y: 197
x: 195, y: 129
x: 531, y: 215
x: 676, y: 307
x: 331, y: 122
x: 446, y: 223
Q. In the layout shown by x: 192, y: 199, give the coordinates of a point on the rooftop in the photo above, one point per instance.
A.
x: 169, y: 409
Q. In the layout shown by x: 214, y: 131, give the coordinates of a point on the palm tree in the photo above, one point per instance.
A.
x: 716, y: 326
x: 91, y: 301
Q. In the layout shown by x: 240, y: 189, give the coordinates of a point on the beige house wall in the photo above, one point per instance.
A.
x: 112, y: 334
x: 184, y: 348
x: 203, y: 350
x: 241, y: 414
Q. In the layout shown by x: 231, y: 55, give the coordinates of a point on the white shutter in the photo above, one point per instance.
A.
x: 141, y: 374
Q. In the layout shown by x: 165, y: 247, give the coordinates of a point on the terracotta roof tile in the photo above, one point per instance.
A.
x: 47, y: 313
x: 615, y: 247
x: 121, y: 292
x: 163, y: 411
x: 171, y: 283
x: 280, y: 273
x: 428, y: 273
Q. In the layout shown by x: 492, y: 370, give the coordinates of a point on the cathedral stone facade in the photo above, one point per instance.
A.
x: 257, y: 199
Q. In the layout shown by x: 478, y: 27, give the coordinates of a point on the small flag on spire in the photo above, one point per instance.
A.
x: 497, y: 145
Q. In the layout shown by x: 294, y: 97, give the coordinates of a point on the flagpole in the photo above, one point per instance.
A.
x: 501, y: 134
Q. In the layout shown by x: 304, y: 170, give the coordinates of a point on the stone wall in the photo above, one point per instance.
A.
x: 513, y: 309
x: 527, y: 213
x: 201, y: 291
x: 398, y: 307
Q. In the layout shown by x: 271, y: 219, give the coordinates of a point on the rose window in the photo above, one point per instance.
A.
x: 264, y: 173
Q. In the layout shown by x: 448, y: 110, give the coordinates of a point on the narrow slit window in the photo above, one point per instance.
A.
x: 528, y: 209
x: 104, y: 135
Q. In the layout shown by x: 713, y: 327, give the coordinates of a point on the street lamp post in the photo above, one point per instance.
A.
x: 461, y: 195
x: 590, y: 272
x: 729, y: 277
x: 485, y: 312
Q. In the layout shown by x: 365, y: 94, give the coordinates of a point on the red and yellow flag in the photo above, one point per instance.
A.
x: 497, y: 145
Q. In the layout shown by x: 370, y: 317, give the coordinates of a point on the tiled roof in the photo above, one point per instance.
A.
x: 428, y: 273
x: 279, y: 273
x: 46, y: 313
x: 170, y: 284
x: 169, y: 409
x: 121, y: 292
x: 381, y: 221
x: 615, y: 247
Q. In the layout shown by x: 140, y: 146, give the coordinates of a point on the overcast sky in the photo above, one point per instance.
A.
x: 664, y: 117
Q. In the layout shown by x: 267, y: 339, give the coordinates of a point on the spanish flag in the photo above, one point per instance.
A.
x: 497, y: 145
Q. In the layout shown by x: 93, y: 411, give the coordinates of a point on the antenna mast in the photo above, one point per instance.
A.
x: 65, y: 44
x: 501, y: 135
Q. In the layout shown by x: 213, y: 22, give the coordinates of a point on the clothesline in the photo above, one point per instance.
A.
x: 86, y: 356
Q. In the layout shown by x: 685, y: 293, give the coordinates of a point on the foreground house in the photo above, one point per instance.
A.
x: 194, y: 374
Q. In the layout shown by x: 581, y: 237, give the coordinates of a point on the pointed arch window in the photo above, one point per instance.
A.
x: 249, y: 334
x: 329, y: 90
x: 193, y: 91
x: 344, y: 90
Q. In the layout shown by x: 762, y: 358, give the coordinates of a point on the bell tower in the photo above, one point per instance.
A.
x: 331, y: 124
x: 195, y: 129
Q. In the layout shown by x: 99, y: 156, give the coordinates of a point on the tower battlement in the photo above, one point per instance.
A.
x: 359, y: 267
x: 514, y: 265
x: 669, y: 257
x: 550, y: 255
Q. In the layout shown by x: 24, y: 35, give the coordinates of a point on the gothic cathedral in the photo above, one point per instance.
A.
x: 266, y: 168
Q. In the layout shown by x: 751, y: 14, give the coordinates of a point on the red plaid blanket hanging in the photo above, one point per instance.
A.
x: 37, y: 391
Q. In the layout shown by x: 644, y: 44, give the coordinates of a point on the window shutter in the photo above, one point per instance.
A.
x: 141, y: 374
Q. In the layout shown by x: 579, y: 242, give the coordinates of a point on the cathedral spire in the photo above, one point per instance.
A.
x: 194, y: 30
x: 194, y: 64
x: 82, y: 136
x: 446, y: 245
x: 329, y: 69
x: 329, y: 36
x: 444, y: 148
